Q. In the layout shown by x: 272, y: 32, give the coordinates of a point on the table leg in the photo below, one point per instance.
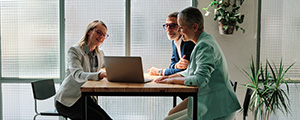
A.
x: 84, y: 107
x: 195, y: 102
x: 174, y: 101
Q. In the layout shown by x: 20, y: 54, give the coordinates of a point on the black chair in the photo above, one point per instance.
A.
x: 247, y: 102
x: 234, y: 85
x: 42, y: 90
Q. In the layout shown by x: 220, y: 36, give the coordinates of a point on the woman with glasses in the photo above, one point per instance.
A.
x: 84, y: 62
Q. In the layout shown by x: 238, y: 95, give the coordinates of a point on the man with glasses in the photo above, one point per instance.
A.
x: 181, y: 49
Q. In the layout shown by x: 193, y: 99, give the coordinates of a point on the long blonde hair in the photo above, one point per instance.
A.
x: 91, y: 26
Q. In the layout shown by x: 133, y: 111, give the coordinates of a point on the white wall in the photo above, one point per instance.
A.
x: 238, y: 48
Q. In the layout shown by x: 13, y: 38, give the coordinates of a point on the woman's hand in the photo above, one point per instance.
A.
x: 163, y: 79
x: 101, y: 75
x: 173, y: 79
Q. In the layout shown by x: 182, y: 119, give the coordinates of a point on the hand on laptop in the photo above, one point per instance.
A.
x: 102, y: 74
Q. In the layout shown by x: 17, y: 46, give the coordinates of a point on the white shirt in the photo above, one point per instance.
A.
x: 178, y: 44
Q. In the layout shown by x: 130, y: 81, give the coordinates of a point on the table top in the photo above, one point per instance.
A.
x: 106, y: 86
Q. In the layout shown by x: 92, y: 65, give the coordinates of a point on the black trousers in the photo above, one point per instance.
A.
x: 183, y: 97
x: 95, y: 112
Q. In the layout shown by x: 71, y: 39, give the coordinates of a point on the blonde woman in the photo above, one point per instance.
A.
x: 84, y: 62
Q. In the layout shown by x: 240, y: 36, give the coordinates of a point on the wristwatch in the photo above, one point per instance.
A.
x: 159, y: 72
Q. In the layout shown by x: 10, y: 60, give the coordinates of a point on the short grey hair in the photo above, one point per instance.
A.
x: 192, y: 15
x: 173, y: 14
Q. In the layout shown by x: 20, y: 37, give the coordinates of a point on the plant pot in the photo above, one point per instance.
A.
x: 222, y: 31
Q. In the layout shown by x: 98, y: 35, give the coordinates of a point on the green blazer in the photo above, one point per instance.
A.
x: 208, y: 71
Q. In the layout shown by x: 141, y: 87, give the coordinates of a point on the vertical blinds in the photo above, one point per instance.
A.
x: 79, y: 14
x: 280, y: 33
x: 29, y: 39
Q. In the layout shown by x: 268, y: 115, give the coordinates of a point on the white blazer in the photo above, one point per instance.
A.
x: 77, y: 73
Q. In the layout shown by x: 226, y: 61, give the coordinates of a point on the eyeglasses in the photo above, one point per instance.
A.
x: 101, y: 33
x: 171, y: 26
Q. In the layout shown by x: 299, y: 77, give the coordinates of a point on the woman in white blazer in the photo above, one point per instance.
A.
x: 84, y: 62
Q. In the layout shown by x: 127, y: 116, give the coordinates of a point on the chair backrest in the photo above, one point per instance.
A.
x: 43, y: 89
x: 247, y: 102
x: 234, y: 84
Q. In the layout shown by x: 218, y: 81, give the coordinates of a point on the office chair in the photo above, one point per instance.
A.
x: 234, y: 85
x: 247, y: 102
x: 42, y: 90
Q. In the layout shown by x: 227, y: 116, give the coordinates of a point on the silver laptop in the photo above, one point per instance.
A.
x: 124, y: 69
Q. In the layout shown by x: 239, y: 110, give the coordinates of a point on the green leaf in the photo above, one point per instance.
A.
x: 236, y: 28
x: 226, y: 18
x: 266, y: 74
x: 250, y: 86
x: 225, y: 27
x: 252, y: 68
x: 221, y: 13
x: 237, y: 15
x: 272, y: 70
x: 236, y: 8
x: 221, y: 1
x: 242, y: 18
x: 204, y: 8
x: 288, y: 68
x: 215, y: 18
x: 250, y: 77
x: 243, y: 30
x: 213, y: 2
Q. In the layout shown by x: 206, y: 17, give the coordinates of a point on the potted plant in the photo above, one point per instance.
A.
x: 268, y: 96
x: 227, y: 14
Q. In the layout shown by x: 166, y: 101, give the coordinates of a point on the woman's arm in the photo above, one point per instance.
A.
x: 75, y: 65
x: 172, y: 79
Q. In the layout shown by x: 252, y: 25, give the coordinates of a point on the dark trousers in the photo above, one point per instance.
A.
x: 95, y: 112
x: 183, y: 97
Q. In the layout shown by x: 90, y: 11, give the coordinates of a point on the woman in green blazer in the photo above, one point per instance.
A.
x: 207, y: 70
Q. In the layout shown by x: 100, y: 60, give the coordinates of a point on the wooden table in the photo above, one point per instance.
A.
x: 106, y: 88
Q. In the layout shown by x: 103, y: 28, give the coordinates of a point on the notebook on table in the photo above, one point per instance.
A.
x: 124, y: 69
